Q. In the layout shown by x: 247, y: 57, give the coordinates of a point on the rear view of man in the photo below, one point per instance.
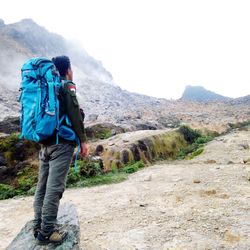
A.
x: 55, y: 157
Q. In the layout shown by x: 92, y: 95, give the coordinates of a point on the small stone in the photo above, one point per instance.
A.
x: 177, y: 179
x: 244, y: 145
x: 2, y: 160
x: 196, y: 181
x: 148, y: 178
x: 3, y: 169
x: 210, y: 161
x: 246, y: 161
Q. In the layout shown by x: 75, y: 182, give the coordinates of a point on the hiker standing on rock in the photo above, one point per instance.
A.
x: 55, y: 158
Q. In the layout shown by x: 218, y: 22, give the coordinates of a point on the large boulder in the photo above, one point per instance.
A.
x: 67, y: 221
x: 10, y: 125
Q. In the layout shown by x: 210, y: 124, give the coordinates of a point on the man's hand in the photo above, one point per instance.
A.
x: 84, y: 149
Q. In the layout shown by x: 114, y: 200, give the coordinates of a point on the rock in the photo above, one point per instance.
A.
x: 10, y: 125
x: 102, y: 131
x: 3, y: 169
x: 146, y: 126
x: 148, y: 178
x: 244, y: 145
x: 143, y: 205
x: 67, y: 221
x: 125, y: 156
x: 210, y: 161
x: 246, y: 161
x: 196, y: 181
x: 99, y: 149
x: 2, y: 160
x: 135, y: 152
x: 92, y: 117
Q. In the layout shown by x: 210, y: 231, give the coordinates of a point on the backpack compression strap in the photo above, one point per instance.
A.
x: 51, y: 90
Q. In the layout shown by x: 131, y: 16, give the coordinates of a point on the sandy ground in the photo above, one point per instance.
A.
x: 198, y: 204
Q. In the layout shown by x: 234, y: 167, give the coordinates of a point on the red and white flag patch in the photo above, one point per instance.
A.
x: 72, y: 88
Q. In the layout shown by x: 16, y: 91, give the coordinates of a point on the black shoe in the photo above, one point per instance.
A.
x: 54, y: 237
x: 36, y: 229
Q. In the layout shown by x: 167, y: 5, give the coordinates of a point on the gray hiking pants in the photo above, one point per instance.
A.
x: 54, y: 166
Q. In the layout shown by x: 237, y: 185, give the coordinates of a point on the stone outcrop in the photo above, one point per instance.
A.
x: 146, y: 146
x: 10, y: 125
x: 67, y: 221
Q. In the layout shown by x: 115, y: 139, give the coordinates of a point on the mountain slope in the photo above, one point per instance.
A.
x: 101, y: 99
x: 97, y: 92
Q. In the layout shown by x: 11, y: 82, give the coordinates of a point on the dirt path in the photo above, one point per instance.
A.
x: 198, y: 204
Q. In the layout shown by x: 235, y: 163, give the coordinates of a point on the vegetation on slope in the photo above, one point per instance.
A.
x: 19, y: 175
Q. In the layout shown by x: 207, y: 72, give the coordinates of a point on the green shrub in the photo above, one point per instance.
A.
x: 31, y: 191
x: 203, y: 139
x: 133, y: 168
x: 196, y: 153
x: 185, y: 151
x: 25, y: 183
x: 89, y: 168
x: 7, y: 191
x: 8, y: 142
x: 190, y: 135
x: 73, y: 177
x: 195, y: 140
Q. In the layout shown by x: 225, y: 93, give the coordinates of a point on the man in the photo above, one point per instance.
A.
x: 55, y: 160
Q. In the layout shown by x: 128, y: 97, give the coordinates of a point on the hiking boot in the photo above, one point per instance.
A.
x: 36, y: 230
x: 54, y: 237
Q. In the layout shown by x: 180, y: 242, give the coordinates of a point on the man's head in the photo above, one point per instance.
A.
x: 63, y: 65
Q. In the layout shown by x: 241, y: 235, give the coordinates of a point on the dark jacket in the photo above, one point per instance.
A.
x: 69, y: 105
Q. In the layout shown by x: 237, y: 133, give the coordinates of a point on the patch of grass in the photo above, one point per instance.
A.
x: 204, y: 139
x: 185, y: 151
x: 239, y: 124
x: 196, y: 153
x: 105, y: 134
x: 7, y: 191
x: 27, y: 178
x: 75, y: 179
x: 17, y: 150
x: 133, y: 168
x: 102, y: 179
x: 8, y: 142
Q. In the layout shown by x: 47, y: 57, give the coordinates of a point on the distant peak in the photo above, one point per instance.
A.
x: 200, y: 94
x: 27, y: 20
x: 2, y: 22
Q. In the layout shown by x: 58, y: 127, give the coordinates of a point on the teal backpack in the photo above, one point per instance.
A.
x: 39, y: 102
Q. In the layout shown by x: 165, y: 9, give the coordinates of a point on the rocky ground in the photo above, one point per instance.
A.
x: 197, y: 204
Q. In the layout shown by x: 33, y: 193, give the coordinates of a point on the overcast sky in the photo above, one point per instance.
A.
x: 154, y: 47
